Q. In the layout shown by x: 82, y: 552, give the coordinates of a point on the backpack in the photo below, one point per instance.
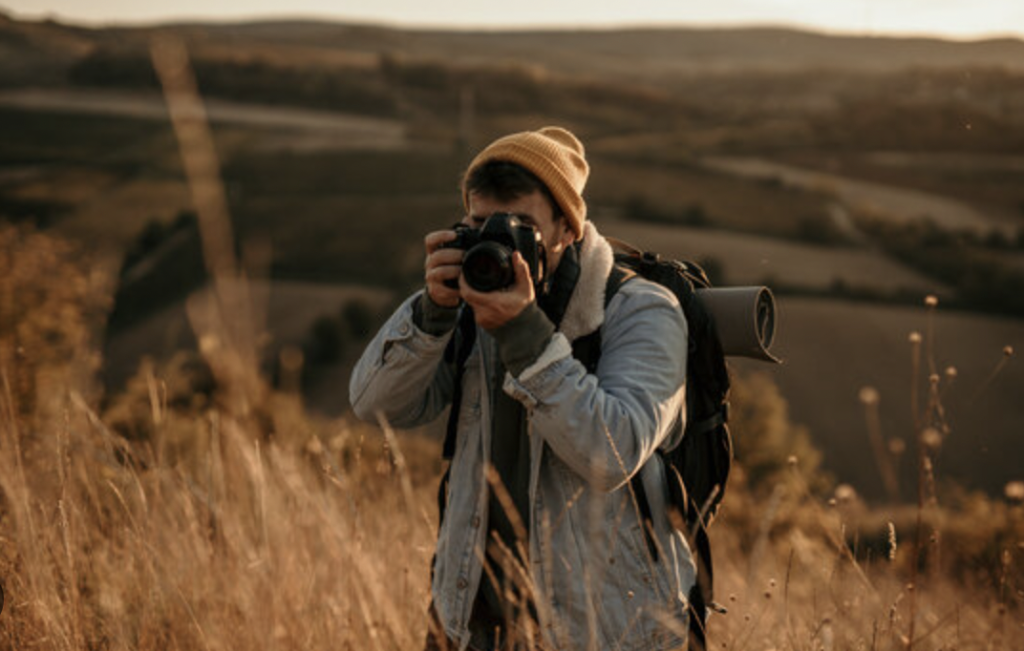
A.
x: 698, y: 467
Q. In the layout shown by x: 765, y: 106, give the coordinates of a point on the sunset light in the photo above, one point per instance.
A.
x: 945, y: 18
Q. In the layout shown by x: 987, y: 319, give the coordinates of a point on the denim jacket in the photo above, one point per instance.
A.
x: 595, y: 579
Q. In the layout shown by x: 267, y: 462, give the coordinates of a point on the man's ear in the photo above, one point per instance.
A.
x: 567, y: 236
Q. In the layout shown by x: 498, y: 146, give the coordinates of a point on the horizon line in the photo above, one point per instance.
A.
x: 525, y: 27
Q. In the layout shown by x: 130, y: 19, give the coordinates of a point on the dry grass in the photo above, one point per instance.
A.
x: 214, y: 534
x: 250, y: 546
x: 267, y: 529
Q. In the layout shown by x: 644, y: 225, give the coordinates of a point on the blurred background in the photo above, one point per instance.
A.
x: 859, y: 159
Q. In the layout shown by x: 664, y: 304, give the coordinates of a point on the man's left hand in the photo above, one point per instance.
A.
x: 494, y: 309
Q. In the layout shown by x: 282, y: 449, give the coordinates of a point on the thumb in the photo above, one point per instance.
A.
x: 523, y: 275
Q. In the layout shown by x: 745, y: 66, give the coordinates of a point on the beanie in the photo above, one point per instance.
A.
x: 553, y: 155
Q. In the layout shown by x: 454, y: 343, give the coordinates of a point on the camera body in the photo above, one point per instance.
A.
x: 487, y: 262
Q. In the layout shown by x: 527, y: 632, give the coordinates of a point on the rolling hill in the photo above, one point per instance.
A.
x: 340, y: 145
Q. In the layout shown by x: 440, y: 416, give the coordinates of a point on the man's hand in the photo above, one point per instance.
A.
x: 494, y: 309
x: 441, y: 265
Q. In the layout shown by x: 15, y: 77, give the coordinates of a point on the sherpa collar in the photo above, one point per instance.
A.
x: 585, y: 312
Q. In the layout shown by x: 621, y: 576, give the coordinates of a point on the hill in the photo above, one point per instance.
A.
x: 826, y: 166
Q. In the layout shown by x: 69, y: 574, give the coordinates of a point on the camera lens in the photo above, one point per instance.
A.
x: 488, y: 266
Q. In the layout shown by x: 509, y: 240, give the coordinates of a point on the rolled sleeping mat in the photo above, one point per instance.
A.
x: 745, y: 319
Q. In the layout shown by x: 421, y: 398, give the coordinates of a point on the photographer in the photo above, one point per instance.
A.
x: 541, y: 540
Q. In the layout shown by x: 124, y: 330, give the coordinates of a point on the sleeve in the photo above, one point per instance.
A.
x: 605, y: 426
x: 402, y: 374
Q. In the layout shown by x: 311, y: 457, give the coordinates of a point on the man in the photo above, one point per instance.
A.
x: 541, y: 538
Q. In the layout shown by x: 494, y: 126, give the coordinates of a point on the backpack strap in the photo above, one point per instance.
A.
x: 587, y: 349
x: 457, y: 352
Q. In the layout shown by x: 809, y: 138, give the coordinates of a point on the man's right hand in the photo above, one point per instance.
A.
x: 442, y: 264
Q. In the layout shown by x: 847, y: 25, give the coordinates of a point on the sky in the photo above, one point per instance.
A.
x: 957, y: 19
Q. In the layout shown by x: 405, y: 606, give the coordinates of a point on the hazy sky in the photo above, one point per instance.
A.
x: 950, y: 18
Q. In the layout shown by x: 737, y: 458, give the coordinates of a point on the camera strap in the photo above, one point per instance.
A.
x: 457, y: 352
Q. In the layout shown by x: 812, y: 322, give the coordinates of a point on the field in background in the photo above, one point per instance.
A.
x: 340, y: 146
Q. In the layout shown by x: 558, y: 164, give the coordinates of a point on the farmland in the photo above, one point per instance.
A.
x: 342, y: 197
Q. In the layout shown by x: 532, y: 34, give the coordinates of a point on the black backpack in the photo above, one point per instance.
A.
x: 697, y: 468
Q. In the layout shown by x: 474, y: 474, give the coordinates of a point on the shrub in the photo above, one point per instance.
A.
x: 52, y: 304
x: 765, y: 439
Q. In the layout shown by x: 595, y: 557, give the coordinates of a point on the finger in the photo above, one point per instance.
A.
x: 522, y: 271
x: 524, y: 278
x: 439, y: 290
x: 442, y: 273
x: 444, y: 296
x: 443, y: 257
x: 435, y: 239
x: 469, y: 294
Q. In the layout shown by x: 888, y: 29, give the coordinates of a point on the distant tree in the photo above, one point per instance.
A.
x: 359, y: 318
x: 326, y: 341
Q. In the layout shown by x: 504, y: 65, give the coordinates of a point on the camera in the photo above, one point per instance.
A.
x: 487, y: 263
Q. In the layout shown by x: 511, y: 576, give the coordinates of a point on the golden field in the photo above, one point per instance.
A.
x: 228, y: 517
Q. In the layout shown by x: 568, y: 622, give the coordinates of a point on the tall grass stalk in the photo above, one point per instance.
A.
x: 227, y: 325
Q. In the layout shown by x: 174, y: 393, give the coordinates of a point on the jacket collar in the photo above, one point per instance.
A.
x: 585, y: 311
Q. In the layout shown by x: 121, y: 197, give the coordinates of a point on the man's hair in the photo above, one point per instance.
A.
x: 506, y: 181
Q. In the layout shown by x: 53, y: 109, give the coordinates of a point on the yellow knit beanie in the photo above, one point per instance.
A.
x: 555, y: 156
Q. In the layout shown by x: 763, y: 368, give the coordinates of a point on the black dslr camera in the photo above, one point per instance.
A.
x: 487, y: 263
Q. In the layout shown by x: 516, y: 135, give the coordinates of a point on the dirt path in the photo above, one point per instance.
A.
x: 309, y: 128
x: 891, y: 202
x: 754, y: 258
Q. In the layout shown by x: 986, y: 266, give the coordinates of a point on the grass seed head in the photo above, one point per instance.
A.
x: 869, y: 396
x: 1014, y: 491
x: 897, y: 446
x: 931, y: 437
x: 845, y: 493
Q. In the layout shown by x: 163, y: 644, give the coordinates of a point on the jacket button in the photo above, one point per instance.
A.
x: 475, y: 522
x: 461, y: 584
x: 403, y: 329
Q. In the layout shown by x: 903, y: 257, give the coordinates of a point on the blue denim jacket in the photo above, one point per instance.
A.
x: 596, y: 583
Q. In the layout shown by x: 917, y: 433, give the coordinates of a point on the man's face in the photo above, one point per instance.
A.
x: 532, y: 209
